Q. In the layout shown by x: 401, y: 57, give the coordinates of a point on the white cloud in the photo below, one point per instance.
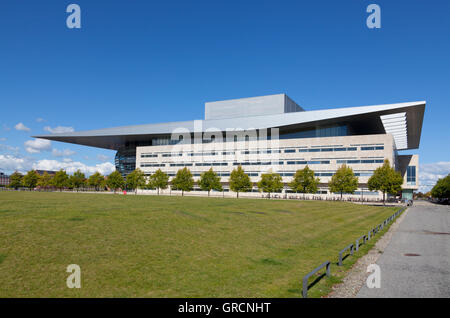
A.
x: 8, y: 148
x: 2, y: 139
x: 11, y: 163
x: 72, y: 166
x: 58, y: 129
x: 429, y: 173
x: 40, y: 120
x: 22, y: 127
x: 37, y: 145
x: 102, y: 158
x: 63, y: 153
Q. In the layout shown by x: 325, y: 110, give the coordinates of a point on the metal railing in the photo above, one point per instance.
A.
x: 353, y: 246
x: 305, y: 278
x: 363, y: 237
x: 348, y: 247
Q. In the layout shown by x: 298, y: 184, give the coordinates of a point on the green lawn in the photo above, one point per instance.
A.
x: 149, y: 246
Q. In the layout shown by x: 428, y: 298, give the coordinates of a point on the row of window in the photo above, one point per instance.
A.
x: 281, y: 173
x: 261, y: 163
x: 251, y: 152
x: 360, y: 161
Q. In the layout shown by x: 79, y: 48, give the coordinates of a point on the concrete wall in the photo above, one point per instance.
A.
x: 302, y: 143
x: 409, y: 160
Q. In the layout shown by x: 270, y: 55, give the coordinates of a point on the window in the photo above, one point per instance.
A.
x: 411, y: 175
x: 373, y: 148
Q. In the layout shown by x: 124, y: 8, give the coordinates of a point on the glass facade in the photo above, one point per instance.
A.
x: 330, y: 131
x: 125, y: 160
x: 411, y: 175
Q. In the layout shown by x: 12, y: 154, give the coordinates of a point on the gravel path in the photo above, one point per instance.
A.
x: 357, y: 275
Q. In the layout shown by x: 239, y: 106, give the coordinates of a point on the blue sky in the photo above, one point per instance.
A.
x: 136, y: 62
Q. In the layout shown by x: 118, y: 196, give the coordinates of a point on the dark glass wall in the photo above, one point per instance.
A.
x: 126, y: 160
x: 329, y: 131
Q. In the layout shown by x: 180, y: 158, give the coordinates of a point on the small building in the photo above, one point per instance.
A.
x: 50, y: 172
x: 4, y: 180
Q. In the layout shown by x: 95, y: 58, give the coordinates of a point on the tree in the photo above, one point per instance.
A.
x: 30, y: 179
x: 77, y: 180
x: 158, y: 180
x: 343, y: 181
x: 385, y: 179
x: 441, y: 189
x: 270, y: 182
x: 209, y: 180
x: 136, y: 180
x: 60, y: 180
x: 44, y: 181
x: 304, y: 181
x: 115, y: 181
x: 96, y: 180
x: 183, y: 180
x: 240, y: 181
x: 15, y: 180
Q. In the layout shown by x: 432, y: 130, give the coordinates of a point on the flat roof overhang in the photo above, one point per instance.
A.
x: 367, y: 118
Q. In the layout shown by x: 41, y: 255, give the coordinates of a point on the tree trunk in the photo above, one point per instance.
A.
x: 341, y: 196
x: 237, y: 194
x: 384, y: 202
x: 182, y: 193
x: 208, y: 192
x: 158, y: 190
x: 268, y: 196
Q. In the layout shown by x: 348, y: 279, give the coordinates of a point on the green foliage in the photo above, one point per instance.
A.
x: 30, y: 180
x: 343, y: 181
x: 158, y: 180
x: 77, y: 180
x: 60, y: 180
x: 270, y: 182
x: 240, y: 181
x: 209, y: 180
x: 115, y: 181
x: 136, y: 179
x: 386, y: 180
x: 304, y: 181
x: 183, y: 180
x: 96, y: 180
x: 45, y: 181
x: 15, y: 180
x: 441, y: 189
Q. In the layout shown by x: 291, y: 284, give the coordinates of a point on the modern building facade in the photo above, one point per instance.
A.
x: 270, y: 133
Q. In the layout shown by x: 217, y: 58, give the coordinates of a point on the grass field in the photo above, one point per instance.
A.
x: 149, y: 246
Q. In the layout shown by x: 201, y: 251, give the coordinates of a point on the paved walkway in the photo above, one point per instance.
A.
x: 424, y: 231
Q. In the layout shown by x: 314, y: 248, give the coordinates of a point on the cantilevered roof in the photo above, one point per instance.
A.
x: 402, y: 120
